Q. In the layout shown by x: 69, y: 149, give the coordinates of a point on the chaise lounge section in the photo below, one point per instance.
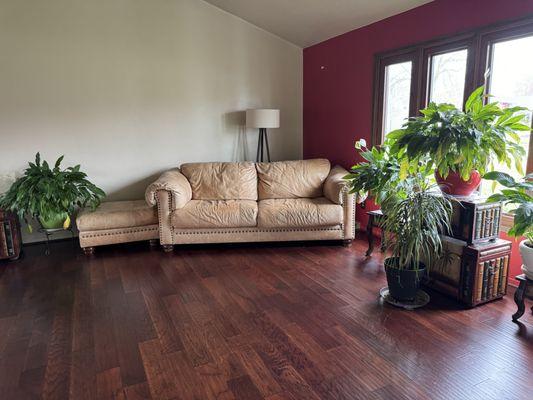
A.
x: 247, y: 202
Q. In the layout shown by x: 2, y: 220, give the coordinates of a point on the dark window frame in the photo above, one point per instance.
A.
x: 478, y: 42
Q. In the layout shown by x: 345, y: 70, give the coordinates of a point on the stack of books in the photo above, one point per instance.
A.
x: 474, y: 266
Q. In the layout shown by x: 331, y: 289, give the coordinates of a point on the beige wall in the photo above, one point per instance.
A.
x: 129, y: 88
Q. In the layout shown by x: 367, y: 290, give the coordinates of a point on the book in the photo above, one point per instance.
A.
x: 496, y: 290
x: 490, y: 280
x: 505, y: 271
x: 496, y: 222
x: 479, y: 286
x: 477, y: 225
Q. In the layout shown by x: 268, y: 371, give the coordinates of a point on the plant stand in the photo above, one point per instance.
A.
x: 520, y: 294
x: 422, y: 298
x: 374, y: 219
x: 50, y: 232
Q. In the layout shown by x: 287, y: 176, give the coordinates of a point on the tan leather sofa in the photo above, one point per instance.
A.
x: 247, y: 202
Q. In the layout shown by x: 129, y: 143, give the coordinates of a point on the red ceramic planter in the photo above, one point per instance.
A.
x: 454, y: 185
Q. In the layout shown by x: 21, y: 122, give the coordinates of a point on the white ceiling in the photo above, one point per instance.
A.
x: 307, y: 22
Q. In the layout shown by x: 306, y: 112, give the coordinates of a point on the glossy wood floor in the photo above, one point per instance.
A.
x: 243, y: 322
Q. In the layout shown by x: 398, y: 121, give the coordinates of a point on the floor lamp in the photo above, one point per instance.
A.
x: 262, y: 119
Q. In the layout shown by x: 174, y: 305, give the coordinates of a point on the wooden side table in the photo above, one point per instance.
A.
x: 374, y: 219
x: 520, y: 294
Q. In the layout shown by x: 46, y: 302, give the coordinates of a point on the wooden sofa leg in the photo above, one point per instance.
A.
x: 88, y: 250
x: 153, y: 242
x: 168, y: 248
x: 347, y: 243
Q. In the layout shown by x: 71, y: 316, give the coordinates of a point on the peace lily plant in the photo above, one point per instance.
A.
x: 461, y: 145
x: 50, y: 195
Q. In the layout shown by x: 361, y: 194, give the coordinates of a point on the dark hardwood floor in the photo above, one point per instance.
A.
x: 245, y: 322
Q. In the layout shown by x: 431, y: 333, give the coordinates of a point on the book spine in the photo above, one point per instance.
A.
x: 490, y: 281
x: 485, y: 281
x: 479, y: 286
x: 478, y: 224
x: 3, y: 243
x: 505, y: 272
x: 9, y: 238
x: 501, y: 282
x: 488, y: 222
x: 496, y: 223
x: 496, y: 290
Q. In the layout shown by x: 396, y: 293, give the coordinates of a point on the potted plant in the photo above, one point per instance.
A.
x: 461, y: 145
x: 415, y: 215
x: 50, y: 194
x: 415, y: 218
x: 517, y: 193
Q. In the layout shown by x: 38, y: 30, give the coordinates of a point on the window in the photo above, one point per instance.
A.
x: 448, y: 69
x: 397, y: 91
x: 510, y: 82
x: 447, y: 74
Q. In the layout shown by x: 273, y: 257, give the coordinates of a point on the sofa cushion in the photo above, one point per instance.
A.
x: 292, y: 179
x: 216, y: 214
x: 298, y: 213
x: 222, y: 181
x: 117, y: 214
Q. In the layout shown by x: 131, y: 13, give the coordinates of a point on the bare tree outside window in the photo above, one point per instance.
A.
x: 397, y: 95
x: 448, y: 74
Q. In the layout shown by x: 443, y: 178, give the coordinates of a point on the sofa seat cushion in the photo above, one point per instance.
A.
x: 117, y: 214
x: 298, y: 213
x: 292, y: 179
x: 221, y: 180
x: 215, y: 214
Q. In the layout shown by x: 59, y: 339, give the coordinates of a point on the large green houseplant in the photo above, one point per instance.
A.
x: 518, y: 193
x: 415, y: 214
x: 461, y: 145
x: 50, y: 194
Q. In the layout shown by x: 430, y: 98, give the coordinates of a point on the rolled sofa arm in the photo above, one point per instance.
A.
x: 336, y: 190
x: 172, y: 181
x: 335, y: 184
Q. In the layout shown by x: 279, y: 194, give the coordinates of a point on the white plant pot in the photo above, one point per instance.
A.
x: 527, y: 259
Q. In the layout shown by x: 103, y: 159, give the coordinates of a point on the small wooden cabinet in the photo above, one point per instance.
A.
x: 474, y: 220
x: 10, y: 238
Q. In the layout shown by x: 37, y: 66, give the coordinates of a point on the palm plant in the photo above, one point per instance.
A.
x: 50, y: 194
x: 415, y: 219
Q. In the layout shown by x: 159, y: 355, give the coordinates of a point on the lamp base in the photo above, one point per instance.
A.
x: 261, y: 144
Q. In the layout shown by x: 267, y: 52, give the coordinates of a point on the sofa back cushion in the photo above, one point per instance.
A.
x: 292, y: 179
x: 222, y: 180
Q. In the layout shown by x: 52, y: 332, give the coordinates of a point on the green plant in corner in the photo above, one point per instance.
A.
x: 50, y: 194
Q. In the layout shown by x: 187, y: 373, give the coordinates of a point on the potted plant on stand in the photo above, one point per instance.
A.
x: 50, y: 195
x: 517, y: 193
x: 461, y: 145
x: 415, y: 216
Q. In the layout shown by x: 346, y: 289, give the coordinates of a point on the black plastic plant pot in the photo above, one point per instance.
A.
x: 403, y: 283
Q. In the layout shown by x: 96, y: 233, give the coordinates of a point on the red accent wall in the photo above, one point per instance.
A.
x: 338, y: 73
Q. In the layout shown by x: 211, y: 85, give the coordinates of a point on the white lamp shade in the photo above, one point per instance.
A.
x: 262, y: 118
